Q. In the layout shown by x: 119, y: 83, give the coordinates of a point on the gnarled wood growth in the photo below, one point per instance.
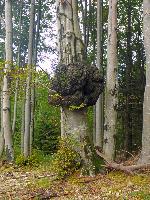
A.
x: 73, y: 83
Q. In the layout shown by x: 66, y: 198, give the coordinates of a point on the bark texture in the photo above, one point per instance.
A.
x: 18, y: 63
x: 6, y: 82
x: 99, y: 104
x: 111, y: 82
x: 145, y: 154
x: 111, y: 165
x: 71, y: 51
x: 28, y: 83
x: 1, y: 129
x: 76, y: 84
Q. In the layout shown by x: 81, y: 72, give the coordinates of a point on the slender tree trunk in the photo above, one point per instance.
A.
x: 1, y: 102
x: 18, y: 63
x: 145, y: 153
x: 1, y: 130
x: 34, y: 65
x: 99, y: 104
x: 28, y: 83
x: 23, y: 125
x: 111, y: 83
x: 6, y: 83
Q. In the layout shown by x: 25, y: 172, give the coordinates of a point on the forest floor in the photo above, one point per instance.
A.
x: 38, y: 183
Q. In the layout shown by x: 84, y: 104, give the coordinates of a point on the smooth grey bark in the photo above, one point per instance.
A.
x: 23, y: 124
x: 1, y: 130
x: 18, y: 63
x: 71, y: 50
x: 1, y: 102
x: 68, y: 26
x: 99, y: 104
x: 75, y: 125
x: 28, y: 83
x: 6, y: 82
x: 37, y: 32
x: 111, y: 83
x: 145, y: 153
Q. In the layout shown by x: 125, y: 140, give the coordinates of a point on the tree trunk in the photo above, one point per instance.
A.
x: 6, y: 83
x: 71, y: 50
x: 128, y: 117
x: 37, y: 32
x: 111, y: 83
x: 1, y: 130
x: 18, y: 63
x: 99, y: 104
x: 28, y: 83
x: 145, y: 154
x: 23, y: 124
x: 75, y: 123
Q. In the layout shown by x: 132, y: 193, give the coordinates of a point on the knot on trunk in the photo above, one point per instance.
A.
x: 76, y: 84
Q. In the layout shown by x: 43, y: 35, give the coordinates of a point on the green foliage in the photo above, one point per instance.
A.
x: 36, y: 159
x: 30, y: 161
x: 75, y: 107
x: 47, y: 119
x: 66, y: 160
x: 46, y: 138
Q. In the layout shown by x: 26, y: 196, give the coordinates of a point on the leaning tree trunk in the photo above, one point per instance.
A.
x: 28, y: 84
x: 145, y: 154
x: 71, y: 50
x: 111, y: 82
x: 6, y: 82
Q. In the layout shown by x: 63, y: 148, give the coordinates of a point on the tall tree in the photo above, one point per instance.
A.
x: 1, y: 127
x: 6, y: 82
x: 28, y: 83
x: 145, y: 154
x: 1, y: 90
x: 99, y: 105
x: 111, y: 82
x: 35, y: 50
x: 71, y: 57
x: 18, y: 64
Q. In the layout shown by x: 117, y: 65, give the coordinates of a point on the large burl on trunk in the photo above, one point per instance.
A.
x: 75, y: 87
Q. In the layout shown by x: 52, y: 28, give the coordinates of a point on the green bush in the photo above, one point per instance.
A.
x: 30, y: 161
x: 66, y: 160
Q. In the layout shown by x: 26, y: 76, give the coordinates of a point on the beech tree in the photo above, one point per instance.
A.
x: 99, y: 104
x: 18, y: 64
x: 145, y: 154
x: 111, y: 82
x: 28, y: 83
x: 75, y: 82
x: 6, y: 82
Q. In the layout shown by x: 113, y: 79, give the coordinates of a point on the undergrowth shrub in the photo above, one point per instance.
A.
x: 35, y: 159
x: 22, y: 161
x: 66, y: 160
x: 47, y: 135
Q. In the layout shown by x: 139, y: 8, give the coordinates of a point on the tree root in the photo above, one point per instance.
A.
x: 120, y: 167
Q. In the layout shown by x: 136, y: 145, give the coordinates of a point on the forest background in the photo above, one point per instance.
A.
x: 33, y: 23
